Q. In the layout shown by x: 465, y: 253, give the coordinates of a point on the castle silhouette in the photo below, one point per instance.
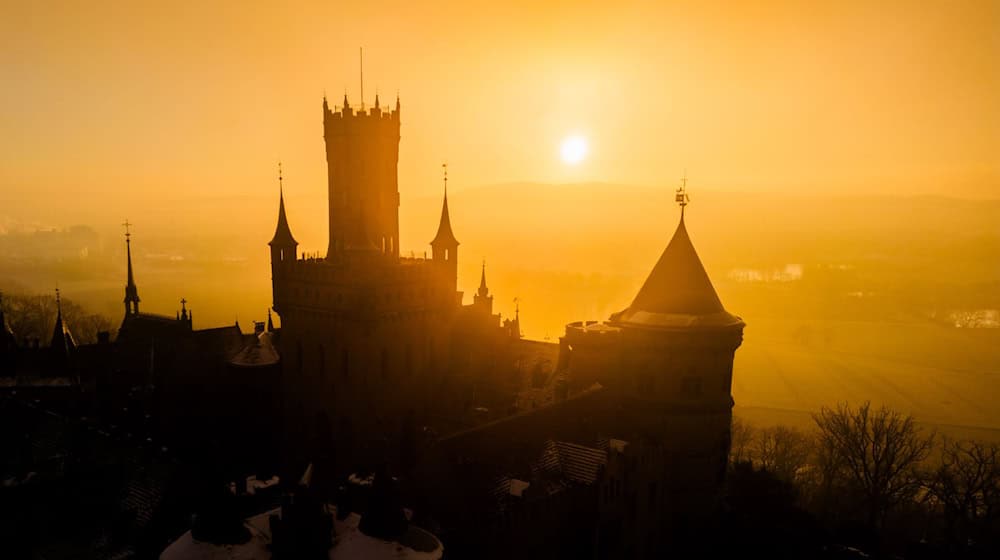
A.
x: 382, y: 361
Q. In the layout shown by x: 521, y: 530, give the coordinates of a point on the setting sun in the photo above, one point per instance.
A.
x: 574, y: 149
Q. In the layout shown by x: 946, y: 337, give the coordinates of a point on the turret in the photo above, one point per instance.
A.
x: 482, y: 299
x: 283, y: 245
x: 131, y: 292
x: 362, y: 152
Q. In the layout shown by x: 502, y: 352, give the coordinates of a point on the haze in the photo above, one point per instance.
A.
x: 142, y: 103
x: 845, y: 137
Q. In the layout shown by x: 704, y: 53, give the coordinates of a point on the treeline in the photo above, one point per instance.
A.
x: 34, y: 317
x: 874, y: 480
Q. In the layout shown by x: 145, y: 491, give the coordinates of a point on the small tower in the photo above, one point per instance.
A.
x: 482, y: 299
x: 283, y: 245
x: 131, y: 292
x: 444, y: 247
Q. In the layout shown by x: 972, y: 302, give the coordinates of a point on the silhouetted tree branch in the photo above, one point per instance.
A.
x: 878, y: 451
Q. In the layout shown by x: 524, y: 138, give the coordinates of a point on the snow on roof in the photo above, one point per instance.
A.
x: 349, y: 544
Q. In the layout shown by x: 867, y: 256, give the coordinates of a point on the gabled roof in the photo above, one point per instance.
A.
x: 678, y: 292
x: 282, y: 233
x: 444, y: 234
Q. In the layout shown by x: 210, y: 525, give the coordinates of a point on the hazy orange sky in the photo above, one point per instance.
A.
x: 128, y: 102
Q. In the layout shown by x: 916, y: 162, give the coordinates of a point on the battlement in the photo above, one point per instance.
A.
x: 339, y: 112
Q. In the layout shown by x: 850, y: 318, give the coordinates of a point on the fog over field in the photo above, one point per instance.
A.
x: 893, y: 299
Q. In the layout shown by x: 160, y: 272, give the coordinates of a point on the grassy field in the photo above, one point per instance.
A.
x: 944, y: 376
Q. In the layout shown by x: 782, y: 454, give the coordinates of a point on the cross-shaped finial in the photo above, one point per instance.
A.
x: 57, y: 296
x: 127, y: 225
x: 183, y: 303
x: 681, y: 197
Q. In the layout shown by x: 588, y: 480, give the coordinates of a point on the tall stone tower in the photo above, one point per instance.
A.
x: 670, y: 355
x: 364, y: 332
x: 362, y: 153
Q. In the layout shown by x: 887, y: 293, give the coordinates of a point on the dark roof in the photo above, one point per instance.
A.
x: 282, y: 233
x: 444, y: 234
x: 678, y: 292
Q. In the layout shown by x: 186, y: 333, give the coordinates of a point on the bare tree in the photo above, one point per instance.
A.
x: 34, y: 316
x: 741, y: 439
x: 782, y: 451
x: 967, y: 486
x: 879, y: 453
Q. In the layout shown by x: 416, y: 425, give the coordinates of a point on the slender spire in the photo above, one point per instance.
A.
x: 282, y: 233
x: 347, y: 105
x: 131, y: 291
x: 270, y: 322
x: 483, y: 290
x: 184, y: 311
x: 62, y: 342
x: 444, y: 234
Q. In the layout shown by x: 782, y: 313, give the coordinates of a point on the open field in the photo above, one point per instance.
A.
x: 942, y: 375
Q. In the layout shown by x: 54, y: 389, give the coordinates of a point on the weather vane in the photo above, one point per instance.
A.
x: 127, y: 225
x: 445, y: 166
x: 280, y: 186
x: 681, y: 197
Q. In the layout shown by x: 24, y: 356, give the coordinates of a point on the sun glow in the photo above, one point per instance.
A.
x: 574, y: 149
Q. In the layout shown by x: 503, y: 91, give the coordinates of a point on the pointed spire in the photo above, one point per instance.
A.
x: 444, y: 234
x: 326, y: 106
x: 397, y: 101
x: 62, y: 342
x: 282, y: 233
x: 131, y: 291
x: 347, y: 105
x: 376, y: 100
x: 184, y: 311
x: 270, y: 322
x: 483, y: 290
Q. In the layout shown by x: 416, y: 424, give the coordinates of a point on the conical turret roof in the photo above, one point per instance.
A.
x: 444, y: 234
x: 282, y: 233
x: 678, y: 292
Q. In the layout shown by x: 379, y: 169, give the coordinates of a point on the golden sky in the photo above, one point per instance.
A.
x: 131, y: 100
